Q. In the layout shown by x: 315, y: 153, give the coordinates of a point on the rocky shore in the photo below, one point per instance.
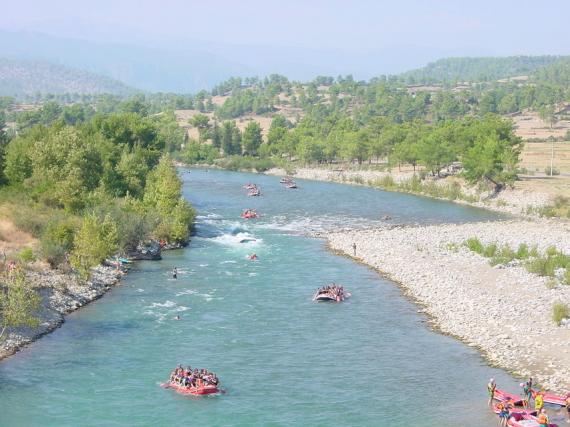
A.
x: 60, y: 294
x: 504, y: 311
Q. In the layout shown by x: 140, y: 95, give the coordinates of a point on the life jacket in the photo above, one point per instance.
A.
x: 538, y: 401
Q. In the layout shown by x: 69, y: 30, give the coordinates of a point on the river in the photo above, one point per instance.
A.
x: 284, y: 360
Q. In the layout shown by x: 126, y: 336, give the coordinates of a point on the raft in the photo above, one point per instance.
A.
x: 324, y: 297
x: 553, y: 399
x: 503, y: 396
x: 195, y: 391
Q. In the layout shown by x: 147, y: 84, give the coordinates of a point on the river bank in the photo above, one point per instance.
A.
x: 514, y: 201
x: 506, y: 312
x: 60, y: 294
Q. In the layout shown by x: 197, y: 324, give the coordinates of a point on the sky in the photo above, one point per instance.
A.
x: 188, y: 45
x: 497, y: 27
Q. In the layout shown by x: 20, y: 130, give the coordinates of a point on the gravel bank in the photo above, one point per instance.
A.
x: 504, y: 311
x: 512, y: 201
x: 60, y: 294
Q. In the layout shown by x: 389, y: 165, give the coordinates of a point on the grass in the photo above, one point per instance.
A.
x: 560, y: 311
x: 415, y: 185
x: 546, y: 265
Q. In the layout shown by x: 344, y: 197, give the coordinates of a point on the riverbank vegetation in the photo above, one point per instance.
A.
x: 552, y: 263
x: 87, y: 189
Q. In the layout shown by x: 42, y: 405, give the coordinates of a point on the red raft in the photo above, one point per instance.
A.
x: 195, y: 391
x: 552, y: 398
x: 503, y: 396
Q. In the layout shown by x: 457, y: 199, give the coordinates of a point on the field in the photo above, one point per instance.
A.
x: 536, y: 156
x: 530, y: 126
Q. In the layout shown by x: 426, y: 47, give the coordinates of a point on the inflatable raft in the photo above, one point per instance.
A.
x: 195, y: 391
x: 553, y: 399
x: 503, y: 396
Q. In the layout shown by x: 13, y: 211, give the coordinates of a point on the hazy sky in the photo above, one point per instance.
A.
x: 460, y: 27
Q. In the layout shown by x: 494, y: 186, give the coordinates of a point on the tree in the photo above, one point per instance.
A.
x: 18, y: 301
x: 202, y: 123
x: 251, y: 139
x: 163, y: 193
x: 492, y: 159
x: 95, y: 241
x: 216, y: 135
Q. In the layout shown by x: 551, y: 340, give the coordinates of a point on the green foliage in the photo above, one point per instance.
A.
x: 251, y: 138
x: 238, y: 163
x: 522, y: 252
x: 475, y: 245
x: 18, y: 301
x: 57, y: 240
x: 560, y: 311
x: 26, y: 255
x: 95, y: 241
x: 163, y: 195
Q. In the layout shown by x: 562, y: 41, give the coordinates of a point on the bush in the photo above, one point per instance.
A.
x: 543, y: 266
x: 503, y: 256
x: 566, y: 277
x: 522, y: 251
x: 490, y: 250
x: 554, y: 171
x: 57, y: 240
x: 27, y: 255
x: 559, y: 311
x: 475, y: 245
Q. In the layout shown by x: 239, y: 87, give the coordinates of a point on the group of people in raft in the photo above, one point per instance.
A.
x: 333, y: 291
x: 508, y: 406
x: 197, y: 378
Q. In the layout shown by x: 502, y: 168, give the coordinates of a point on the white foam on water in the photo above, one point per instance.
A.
x: 237, y: 240
x: 229, y: 273
x: 252, y: 274
x: 228, y: 262
x: 203, y: 265
x: 166, y: 304
x: 140, y: 290
x: 186, y: 292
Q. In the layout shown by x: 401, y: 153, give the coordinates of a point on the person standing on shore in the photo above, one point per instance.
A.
x: 491, y: 387
x: 354, y: 248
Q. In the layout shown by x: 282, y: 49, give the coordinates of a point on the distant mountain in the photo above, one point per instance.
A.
x: 21, y: 77
x: 150, y: 69
x: 478, y: 69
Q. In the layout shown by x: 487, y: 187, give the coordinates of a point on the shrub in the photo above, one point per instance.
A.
x: 27, y: 255
x: 559, y: 311
x: 57, y: 240
x: 475, y: 245
x: 386, y: 182
x: 503, y: 256
x: 490, y: 250
x: 543, y: 266
x: 566, y: 277
x: 554, y: 171
x: 522, y: 251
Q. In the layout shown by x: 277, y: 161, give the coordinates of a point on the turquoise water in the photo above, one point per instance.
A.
x: 284, y: 360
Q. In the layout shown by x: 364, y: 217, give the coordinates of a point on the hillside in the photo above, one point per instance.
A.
x: 20, y: 77
x: 450, y: 70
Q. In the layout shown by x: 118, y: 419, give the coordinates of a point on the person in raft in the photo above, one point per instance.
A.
x: 539, y: 401
x: 491, y: 387
x: 543, y: 418
x: 503, y: 414
x: 567, y: 401
x: 175, y: 273
x: 193, y: 378
x: 252, y: 257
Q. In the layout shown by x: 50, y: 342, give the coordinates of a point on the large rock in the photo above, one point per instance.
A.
x: 146, y: 251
